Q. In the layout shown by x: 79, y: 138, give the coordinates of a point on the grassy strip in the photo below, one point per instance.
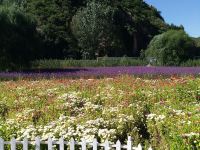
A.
x: 191, y: 63
x: 54, y: 63
x: 101, y: 62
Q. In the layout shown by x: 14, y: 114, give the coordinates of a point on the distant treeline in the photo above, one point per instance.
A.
x: 77, y: 29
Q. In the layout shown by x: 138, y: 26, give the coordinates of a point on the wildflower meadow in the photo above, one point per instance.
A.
x: 163, y: 113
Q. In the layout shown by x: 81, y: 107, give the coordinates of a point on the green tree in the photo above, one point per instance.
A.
x: 53, y: 20
x: 171, y: 48
x: 17, y: 37
x: 197, y: 46
x: 107, y: 27
x: 134, y: 23
x: 142, y: 23
x: 94, y: 29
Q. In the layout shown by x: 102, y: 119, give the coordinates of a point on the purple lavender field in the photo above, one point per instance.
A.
x: 101, y: 72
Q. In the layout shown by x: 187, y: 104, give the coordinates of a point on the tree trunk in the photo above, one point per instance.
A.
x: 135, y: 44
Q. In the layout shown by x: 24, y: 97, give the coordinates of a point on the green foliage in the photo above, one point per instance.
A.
x: 17, y: 37
x: 191, y: 63
x: 163, y: 113
x: 54, y: 64
x: 142, y: 22
x: 170, y: 48
x: 126, y: 25
x: 63, y: 29
x: 197, y: 48
x: 94, y: 29
x: 53, y: 19
x: 3, y: 110
x: 197, y: 41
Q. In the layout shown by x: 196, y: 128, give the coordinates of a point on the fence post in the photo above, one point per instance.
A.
x: 129, y: 143
x: 139, y: 147
x: 118, y: 145
x: 61, y: 143
x: 25, y: 144
x: 37, y: 143
x: 1, y: 144
x: 50, y: 144
x: 95, y: 144
x: 13, y: 144
x: 83, y: 144
x: 107, y: 147
x: 72, y: 144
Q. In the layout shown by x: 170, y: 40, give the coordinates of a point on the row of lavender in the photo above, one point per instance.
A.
x: 103, y: 71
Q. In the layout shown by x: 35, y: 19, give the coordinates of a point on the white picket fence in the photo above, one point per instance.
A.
x: 71, y: 144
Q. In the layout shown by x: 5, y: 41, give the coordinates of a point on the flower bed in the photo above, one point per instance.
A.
x: 101, y: 72
x: 163, y: 113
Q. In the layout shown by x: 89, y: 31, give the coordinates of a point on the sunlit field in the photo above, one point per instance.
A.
x: 163, y: 113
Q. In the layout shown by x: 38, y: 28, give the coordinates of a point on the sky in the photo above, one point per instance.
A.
x: 180, y: 12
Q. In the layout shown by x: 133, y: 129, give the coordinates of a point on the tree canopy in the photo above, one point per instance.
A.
x: 76, y: 28
x: 95, y: 30
x: 134, y: 21
x: 17, y: 38
x: 171, y: 48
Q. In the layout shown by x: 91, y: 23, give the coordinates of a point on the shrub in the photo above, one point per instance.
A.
x: 17, y: 38
x: 3, y: 110
x: 170, y: 48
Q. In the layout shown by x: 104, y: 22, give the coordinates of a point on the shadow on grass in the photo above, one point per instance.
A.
x: 35, y: 74
x: 58, y: 70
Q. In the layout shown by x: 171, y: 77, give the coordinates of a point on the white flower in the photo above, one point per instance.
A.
x: 160, y: 117
x: 156, y: 117
x: 151, y: 116
x: 191, y: 134
x: 178, y: 112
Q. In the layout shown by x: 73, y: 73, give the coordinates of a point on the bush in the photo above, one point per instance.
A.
x: 17, y: 38
x: 170, y: 48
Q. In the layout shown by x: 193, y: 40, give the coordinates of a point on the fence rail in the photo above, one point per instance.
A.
x: 71, y: 144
